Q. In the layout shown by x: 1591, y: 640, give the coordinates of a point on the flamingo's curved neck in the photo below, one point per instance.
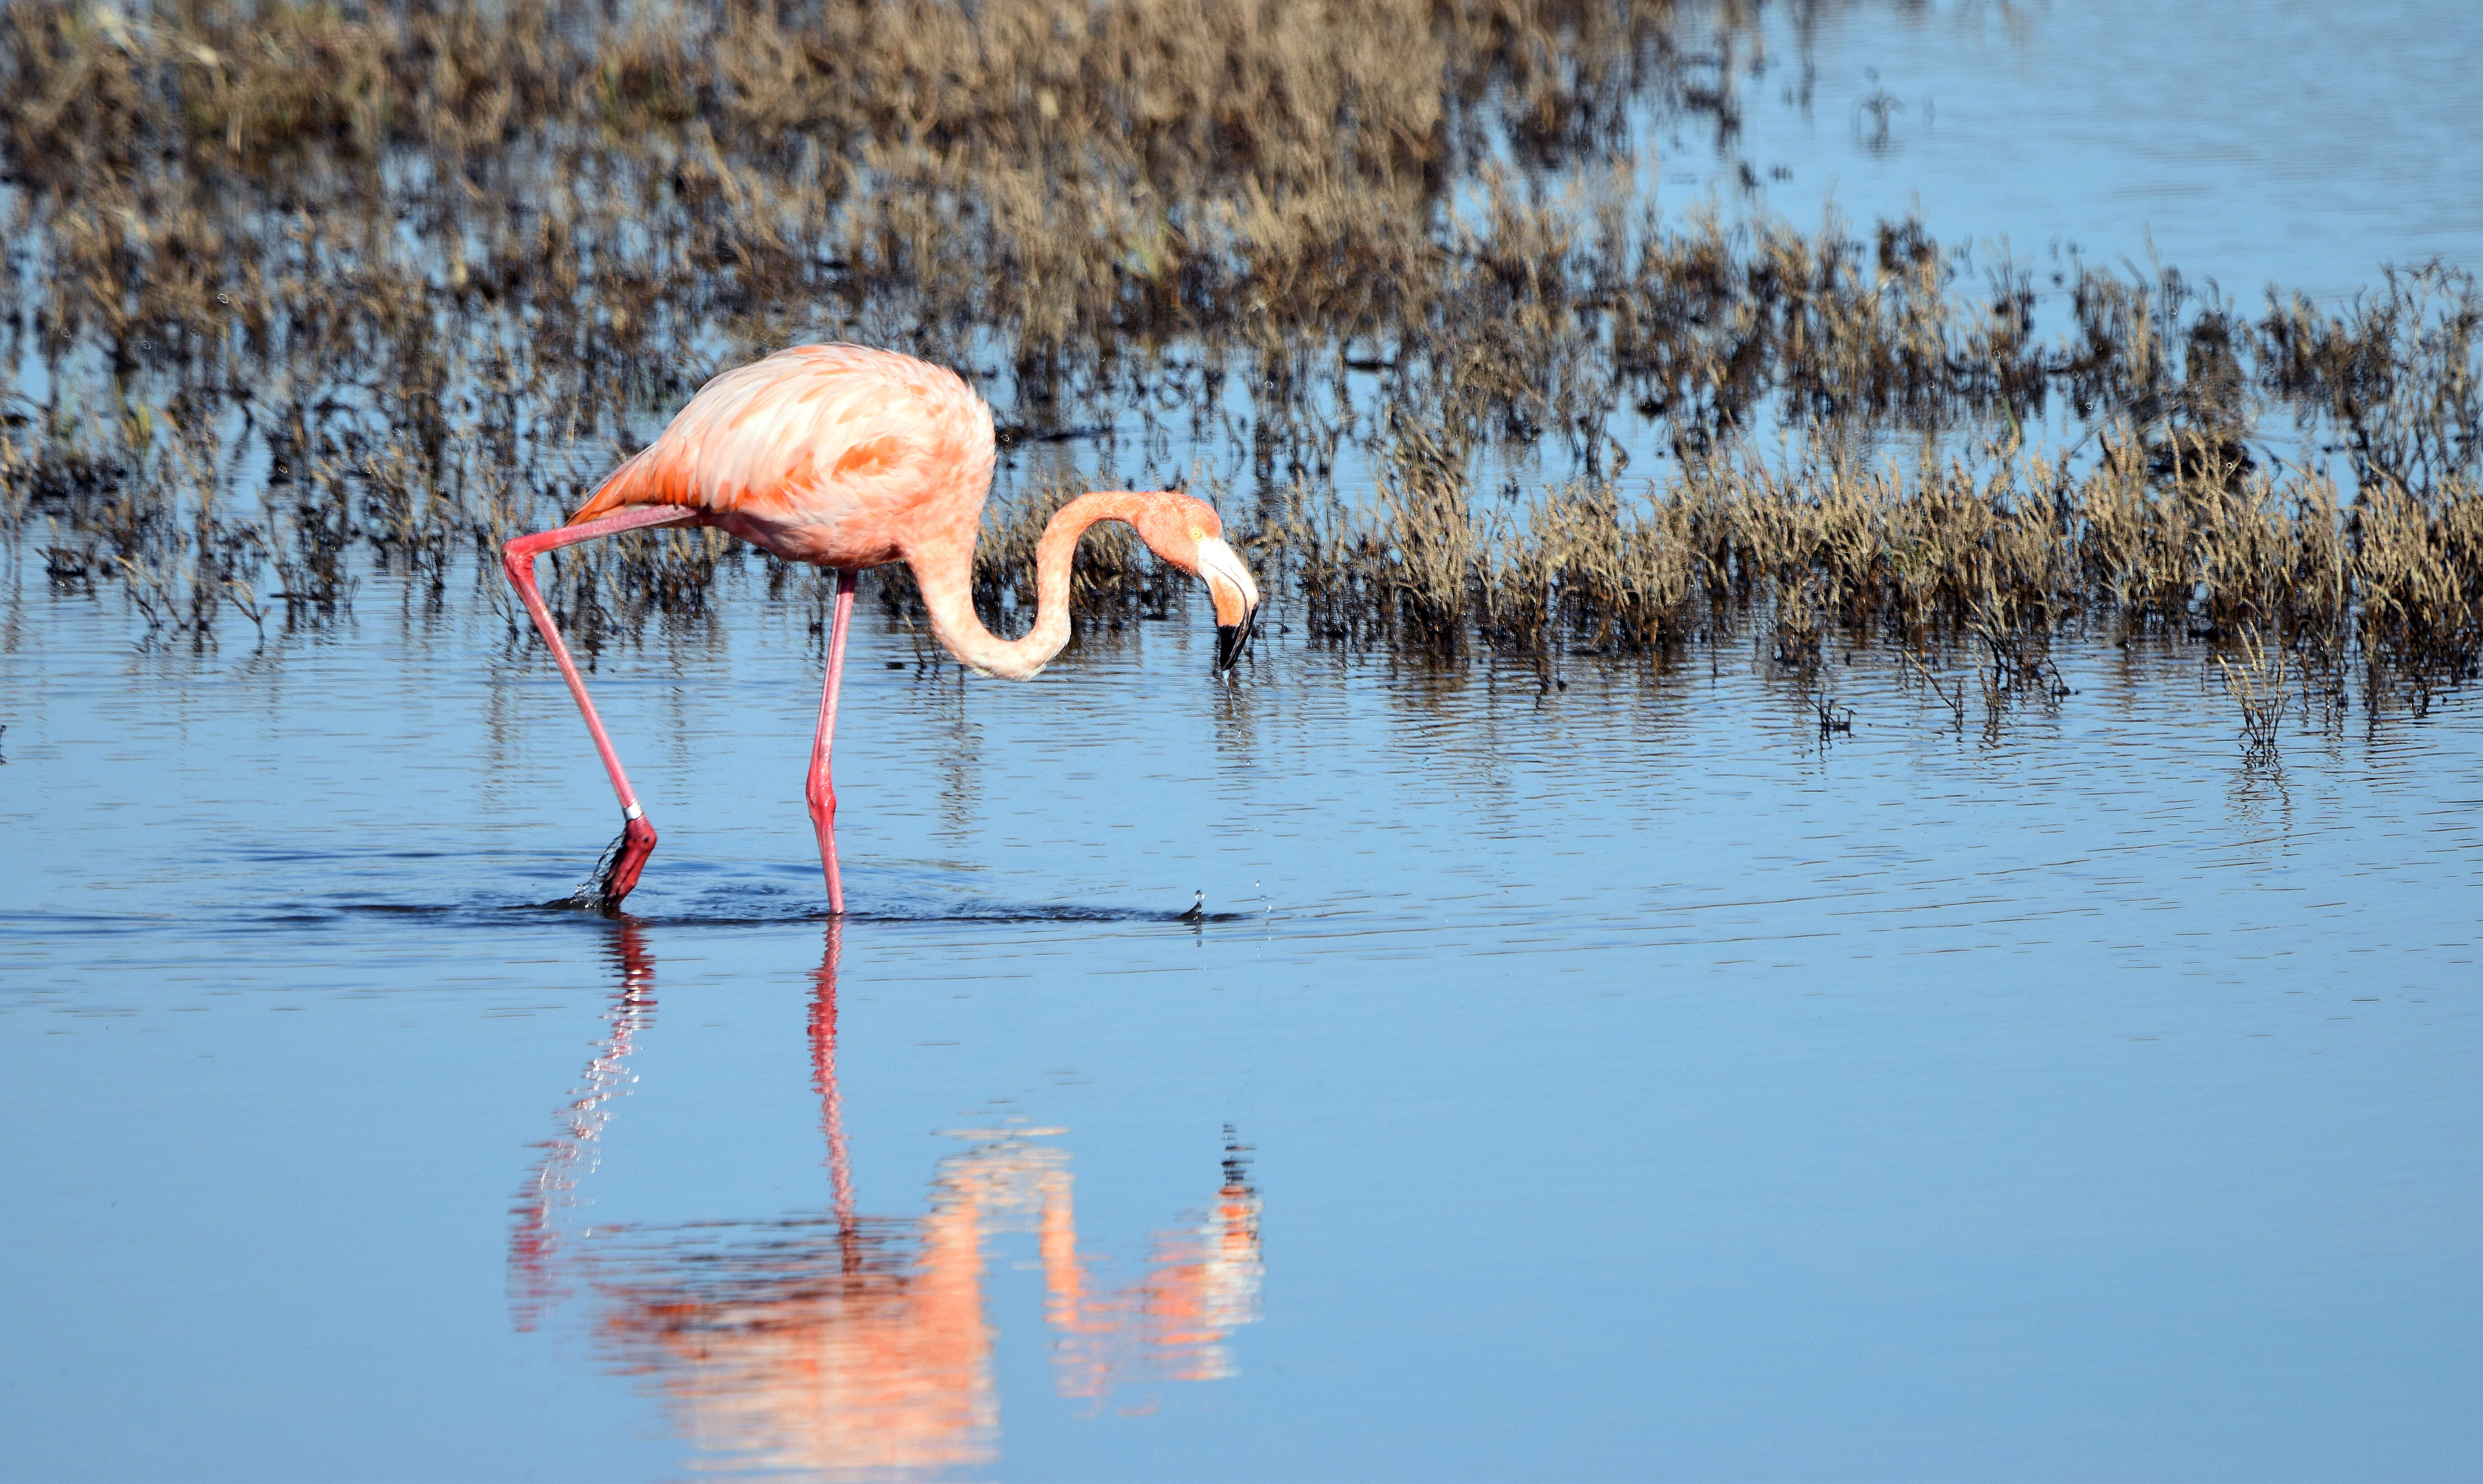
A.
x: 946, y: 579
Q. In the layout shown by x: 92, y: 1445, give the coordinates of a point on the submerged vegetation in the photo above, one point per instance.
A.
x: 297, y: 293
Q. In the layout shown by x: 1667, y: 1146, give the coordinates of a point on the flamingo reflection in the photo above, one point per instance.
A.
x: 534, y: 1244
x: 851, y: 1346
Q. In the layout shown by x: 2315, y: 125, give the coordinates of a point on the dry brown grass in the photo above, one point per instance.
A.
x: 319, y: 292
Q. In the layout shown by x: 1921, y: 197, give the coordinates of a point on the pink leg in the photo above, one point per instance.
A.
x: 638, y: 836
x: 823, y: 1081
x: 823, y: 793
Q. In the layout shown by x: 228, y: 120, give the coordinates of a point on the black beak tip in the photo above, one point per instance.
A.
x: 1231, y: 640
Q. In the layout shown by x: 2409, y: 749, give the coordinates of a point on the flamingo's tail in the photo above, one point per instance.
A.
x: 640, y: 480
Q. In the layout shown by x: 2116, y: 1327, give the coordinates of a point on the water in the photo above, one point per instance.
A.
x: 2279, y: 144
x: 1615, y: 1079
x: 1622, y: 1079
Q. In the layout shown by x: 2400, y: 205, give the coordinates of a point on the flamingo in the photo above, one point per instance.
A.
x: 849, y: 458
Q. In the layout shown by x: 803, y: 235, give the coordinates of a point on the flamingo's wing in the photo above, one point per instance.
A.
x: 816, y: 435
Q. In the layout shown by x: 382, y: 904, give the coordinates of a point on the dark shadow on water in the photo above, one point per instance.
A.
x: 727, y: 897
x: 691, y: 892
x: 487, y: 912
x: 727, y: 915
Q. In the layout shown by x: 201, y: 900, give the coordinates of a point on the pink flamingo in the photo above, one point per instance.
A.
x: 849, y: 458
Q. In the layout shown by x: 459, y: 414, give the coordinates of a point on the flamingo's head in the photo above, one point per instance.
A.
x: 1187, y: 533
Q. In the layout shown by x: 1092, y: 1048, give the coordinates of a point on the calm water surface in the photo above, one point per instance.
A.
x: 2252, y: 143
x: 1618, y: 1081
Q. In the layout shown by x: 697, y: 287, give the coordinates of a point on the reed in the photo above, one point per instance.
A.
x: 312, y: 293
x: 2255, y: 676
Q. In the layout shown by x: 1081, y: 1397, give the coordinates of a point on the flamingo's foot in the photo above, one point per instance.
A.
x: 616, y: 871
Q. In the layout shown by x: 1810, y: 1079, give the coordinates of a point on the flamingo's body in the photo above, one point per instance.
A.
x: 833, y: 455
x: 849, y: 458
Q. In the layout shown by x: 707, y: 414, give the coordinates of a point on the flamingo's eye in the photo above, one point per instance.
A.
x: 1195, y: 534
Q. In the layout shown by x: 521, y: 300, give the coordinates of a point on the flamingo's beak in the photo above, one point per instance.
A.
x: 1236, y: 600
x: 1231, y: 639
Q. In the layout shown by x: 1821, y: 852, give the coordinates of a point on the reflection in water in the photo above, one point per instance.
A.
x: 534, y: 1244
x: 847, y: 1347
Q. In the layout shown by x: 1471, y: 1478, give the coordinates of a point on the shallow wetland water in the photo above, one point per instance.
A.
x: 1618, y: 1081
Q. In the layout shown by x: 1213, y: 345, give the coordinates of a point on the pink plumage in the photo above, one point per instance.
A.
x: 848, y: 457
x: 836, y: 455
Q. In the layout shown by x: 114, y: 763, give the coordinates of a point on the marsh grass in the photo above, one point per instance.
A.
x: 306, y: 293
x: 2256, y: 676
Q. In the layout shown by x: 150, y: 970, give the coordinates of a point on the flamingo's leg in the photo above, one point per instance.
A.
x: 822, y: 793
x: 823, y: 1081
x: 637, y: 841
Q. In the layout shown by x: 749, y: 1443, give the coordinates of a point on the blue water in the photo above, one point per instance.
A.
x: 1624, y: 1081
x: 2283, y: 144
